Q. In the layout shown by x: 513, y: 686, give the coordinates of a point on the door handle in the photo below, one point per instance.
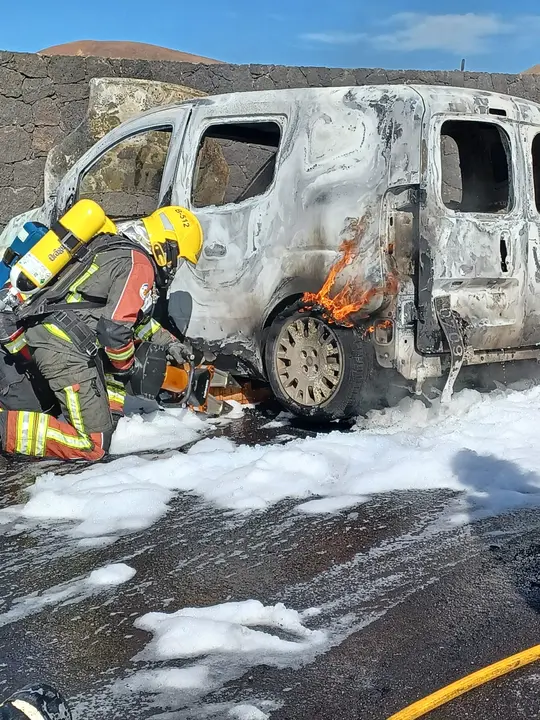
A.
x: 504, y: 255
x: 215, y: 251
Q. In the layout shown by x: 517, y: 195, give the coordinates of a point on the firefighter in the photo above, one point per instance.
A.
x: 109, y: 305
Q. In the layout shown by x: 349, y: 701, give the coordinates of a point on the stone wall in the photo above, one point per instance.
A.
x: 42, y: 99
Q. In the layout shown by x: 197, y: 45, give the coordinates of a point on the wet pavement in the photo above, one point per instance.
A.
x: 410, y: 601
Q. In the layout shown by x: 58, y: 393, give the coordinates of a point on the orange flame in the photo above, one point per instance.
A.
x: 351, y: 299
x: 371, y: 329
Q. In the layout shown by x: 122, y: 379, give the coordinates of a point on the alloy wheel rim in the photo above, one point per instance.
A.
x: 309, y: 361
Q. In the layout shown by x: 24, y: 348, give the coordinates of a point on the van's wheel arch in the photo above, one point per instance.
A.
x: 317, y: 369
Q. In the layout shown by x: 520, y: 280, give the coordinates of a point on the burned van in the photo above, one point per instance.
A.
x: 348, y: 231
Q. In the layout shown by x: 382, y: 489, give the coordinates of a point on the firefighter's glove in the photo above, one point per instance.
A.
x: 180, y: 353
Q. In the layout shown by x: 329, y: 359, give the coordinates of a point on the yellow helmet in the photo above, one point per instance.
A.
x: 173, y: 232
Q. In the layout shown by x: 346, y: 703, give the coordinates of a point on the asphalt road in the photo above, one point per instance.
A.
x: 412, y: 602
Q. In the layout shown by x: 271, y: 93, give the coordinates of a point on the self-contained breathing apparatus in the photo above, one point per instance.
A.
x: 42, y: 264
x: 60, y: 254
x: 36, y: 257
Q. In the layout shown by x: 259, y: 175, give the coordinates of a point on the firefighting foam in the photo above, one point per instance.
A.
x: 408, y: 447
x: 352, y: 297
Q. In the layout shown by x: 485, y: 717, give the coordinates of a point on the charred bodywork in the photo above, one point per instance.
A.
x: 430, y: 191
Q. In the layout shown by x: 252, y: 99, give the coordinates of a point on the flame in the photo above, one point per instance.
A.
x: 371, y: 329
x: 351, y: 298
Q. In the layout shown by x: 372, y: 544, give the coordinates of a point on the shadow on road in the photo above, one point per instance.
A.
x: 497, y: 489
x: 495, y: 485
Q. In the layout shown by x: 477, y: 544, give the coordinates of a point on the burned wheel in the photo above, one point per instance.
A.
x: 316, y: 369
x: 308, y: 361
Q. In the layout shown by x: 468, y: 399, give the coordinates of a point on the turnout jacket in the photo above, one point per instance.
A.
x: 120, y: 284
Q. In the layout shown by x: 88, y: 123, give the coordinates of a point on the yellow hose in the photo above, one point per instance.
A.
x: 460, y: 687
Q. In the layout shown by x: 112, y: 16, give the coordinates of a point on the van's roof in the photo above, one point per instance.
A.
x: 436, y: 98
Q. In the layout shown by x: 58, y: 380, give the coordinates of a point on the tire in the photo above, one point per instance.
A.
x: 336, y: 379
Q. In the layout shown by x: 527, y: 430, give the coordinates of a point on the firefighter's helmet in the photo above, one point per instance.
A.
x: 173, y: 233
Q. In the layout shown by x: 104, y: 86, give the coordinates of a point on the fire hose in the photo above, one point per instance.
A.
x: 462, y: 686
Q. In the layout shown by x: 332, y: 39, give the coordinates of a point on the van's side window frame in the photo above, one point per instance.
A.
x: 216, y: 129
x: 485, y: 140
x: 162, y: 127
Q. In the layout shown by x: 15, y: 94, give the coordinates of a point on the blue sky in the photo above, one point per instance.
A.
x: 351, y: 33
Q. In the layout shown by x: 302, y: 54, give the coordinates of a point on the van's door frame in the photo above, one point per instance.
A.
x: 174, y: 118
x: 225, y: 257
x: 479, y: 280
x: 529, y: 133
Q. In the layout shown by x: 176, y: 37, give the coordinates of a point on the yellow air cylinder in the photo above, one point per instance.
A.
x: 51, y: 254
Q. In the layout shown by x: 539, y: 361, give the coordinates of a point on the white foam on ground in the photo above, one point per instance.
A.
x: 483, y: 445
x: 247, y: 712
x: 221, y: 643
x: 220, y: 711
x: 225, y: 629
x: 331, y: 504
x: 69, y: 592
x: 163, y: 680
x: 125, y: 495
x: 114, y: 574
x: 160, y: 430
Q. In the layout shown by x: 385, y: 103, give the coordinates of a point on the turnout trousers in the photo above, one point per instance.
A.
x: 62, y: 405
